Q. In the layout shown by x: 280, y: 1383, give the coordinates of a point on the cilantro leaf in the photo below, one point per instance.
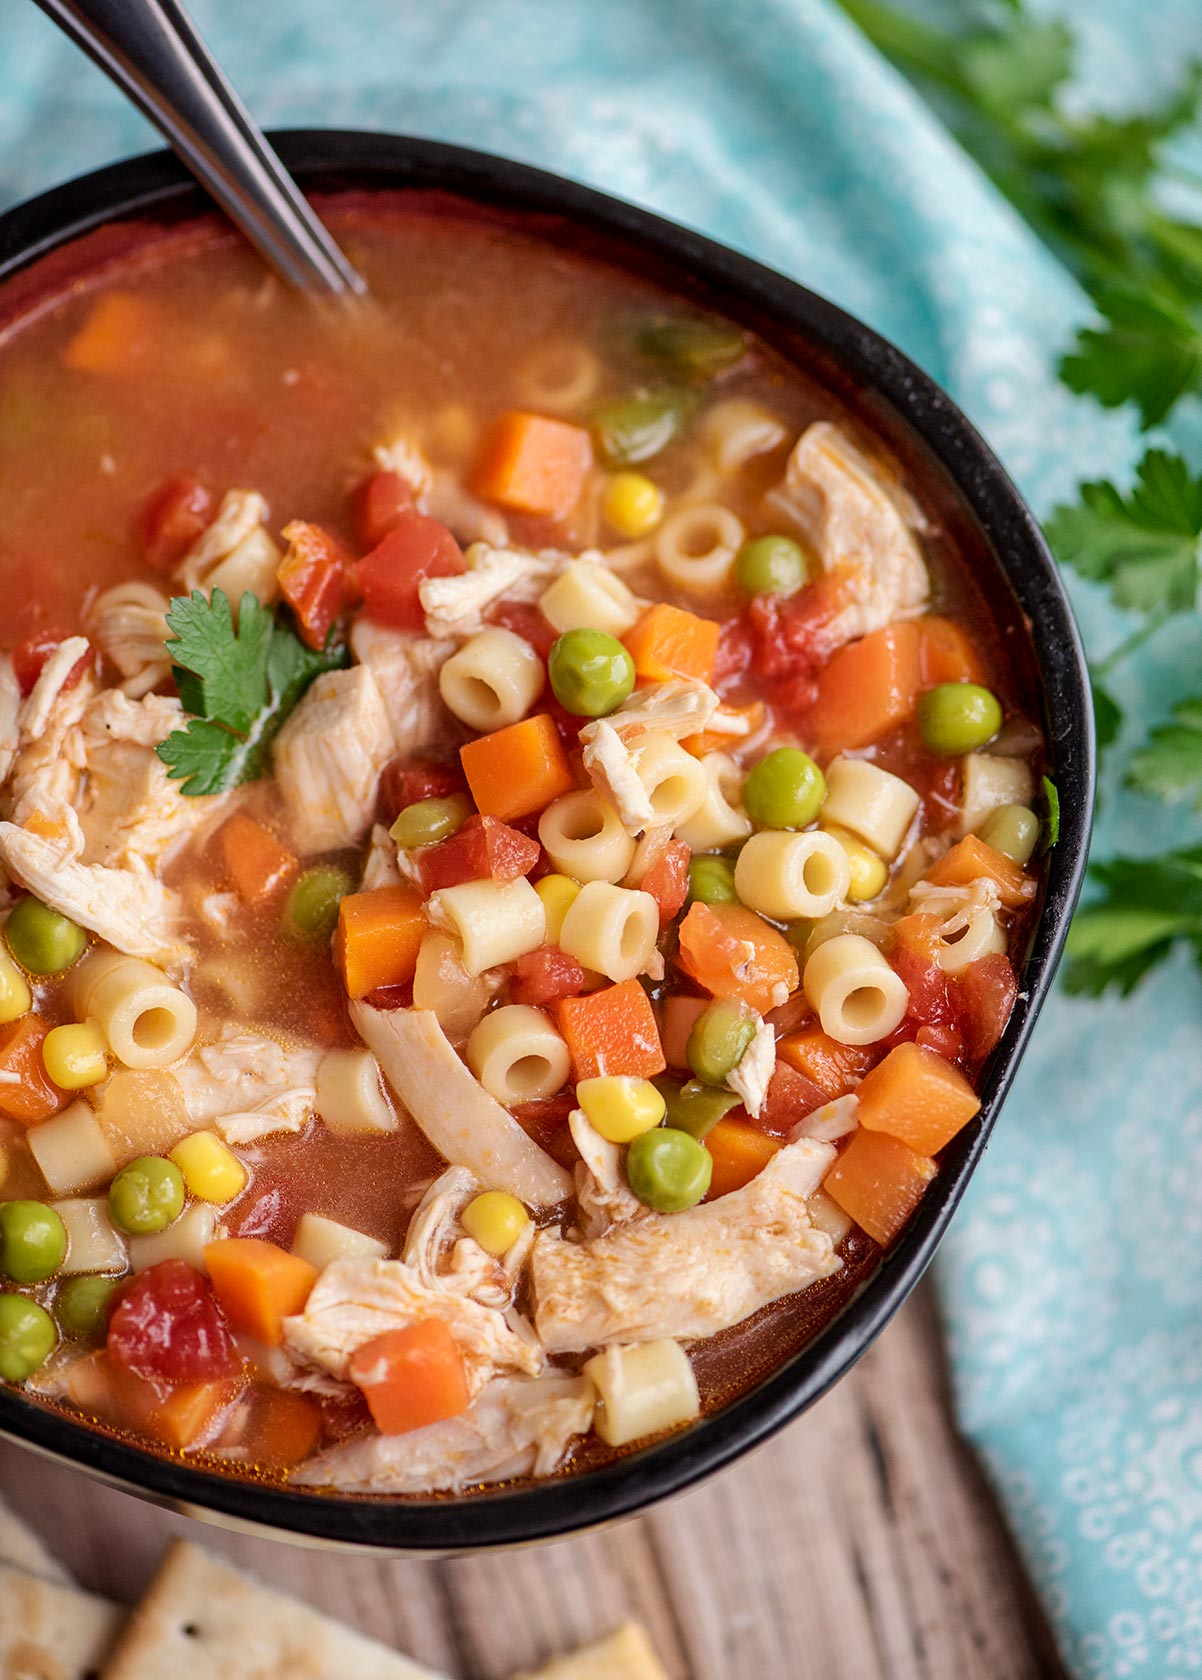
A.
x: 1144, y: 545
x: 1020, y: 67
x: 1107, y: 716
x: 1051, y: 822
x: 240, y: 682
x: 1149, y: 352
x: 1145, y: 906
x: 1170, y: 765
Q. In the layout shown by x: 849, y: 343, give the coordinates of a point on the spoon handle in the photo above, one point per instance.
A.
x: 152, y: 51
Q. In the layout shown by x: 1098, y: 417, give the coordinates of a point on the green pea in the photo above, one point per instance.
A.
x: 311, y: 910
x: 146, y: 1196
x: 693, y: 1107
x: 1012, y: 830
x: 82, y: 1307
x: 784, y: 790
x: 668, y: 1170
x: 27, y: 1337
x: 41, y: 940
x: 430, y: 820
x: 712, y: 880
x: 628, y: 430
x: 720, y: 1035
x: 771, y: 566
x: 689, y: 348
x: 591, y: 672
x: 958, y: 717
x: 33, y: 1241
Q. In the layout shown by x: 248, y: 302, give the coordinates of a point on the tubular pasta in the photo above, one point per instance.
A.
x: 696, y: 546
x: 611, y: 929
x: 875, y: 805
x: 494, y: 921
x: 675, y: 782
x: 719, y: 820
x: 518, y: 1056
x: 492, y: 681
x: 147, y: 1022
x: 856, y: 995
x: 786, y: 875
x: 583, y: 836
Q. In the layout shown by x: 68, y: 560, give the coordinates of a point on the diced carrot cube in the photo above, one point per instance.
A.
x: 834, y: 1068
x: 534, y: 465
x: 282, y: 1428
x: 411, y: 1377
x: 378, y: 936
x: 32, y: 1095
x: 732, y: 952
x: 971, y: 860
x: 917, y: 1097
x: 517, y: 770
x: 255, y: 861
x: 948, y: 653
x: 739, y: 1152
x: 612, y: 1031
x: 867, y: 688
x: 120, y: 329
x: 879, y: 1181
x: 258, y: 1284
x: 188, y: 1411
x: 670, y: 642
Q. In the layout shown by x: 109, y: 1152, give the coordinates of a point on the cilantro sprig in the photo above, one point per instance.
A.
x: 1143, y: 907
x: 239, y: 681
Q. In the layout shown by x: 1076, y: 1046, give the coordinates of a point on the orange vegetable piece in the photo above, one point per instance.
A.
x: 916, y: 1097
x: 867, y: 688
x: 948, y: 653
x: 833, y: 1067
x: 378, y: 937
x: 971, y: 859
x: 177, y: 1417
x: 254, y: 859
x: 879, y: 1182
x: 411, y: 1377
x: 517, y: 770
x: 34, y: 1096
x: 612, y: 1031
x: 739, y: 1152
x: 282, y: 1428
x: 188, y: 1410
x: 732, y: 952
x: 119, y: 330
x: 258, y: 1284
x: 534, y: 465
x: 715, y: 740
x: 669, y: 642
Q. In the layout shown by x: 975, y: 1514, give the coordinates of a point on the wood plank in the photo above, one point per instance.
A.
x: 860, y: 1544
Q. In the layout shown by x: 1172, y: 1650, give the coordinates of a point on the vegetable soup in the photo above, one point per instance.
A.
x: 519, y: 827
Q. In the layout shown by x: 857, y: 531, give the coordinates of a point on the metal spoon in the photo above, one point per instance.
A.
x: 152, y: 51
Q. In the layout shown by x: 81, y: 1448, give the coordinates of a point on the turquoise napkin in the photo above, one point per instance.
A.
x: 1072, y: 1280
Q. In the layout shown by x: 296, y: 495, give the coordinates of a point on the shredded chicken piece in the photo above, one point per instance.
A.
x: 955, y: 904
x: 602, y: 1193
x: 610, y: 766
x: 406, y: 671
x: 248, y: 1085
x: 403, y: 454
x: 234, y: 553
x: 752, y: 1074
x: 47, y: 766
x: 455, y: 606
x: 691, y: 1274
x: 128, y: 623
x: 834, y: 1120
x: 443, y: 1255
x: 10, y: 706
x: 515, y: 1428
x: 328, y: 758
x: 855, y: 525
x: 468, y: 518
x: 380, y: 867
x: 677, y: 708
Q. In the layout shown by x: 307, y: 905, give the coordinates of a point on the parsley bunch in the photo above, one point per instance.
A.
x: 1093, y: 187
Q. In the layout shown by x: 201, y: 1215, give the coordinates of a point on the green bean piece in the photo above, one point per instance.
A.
x: 668, y: 1170
x: 41, y: 940
x: 82, y: 1307
x: 696, y: 1108
x: 772, y: 565
x: 146, y: 1196
x: 628, y: 430
x: 720, y: 1035
x: 591, y: 672
x: 1012, y: 830
x: 311, y: 909
x: 27, y: 1337
x: 711, y: 880
x: 689, y: 348
x: 430, y: 820
x: 958, y: 717
x: 33, y: 1241
x: 784, y: 790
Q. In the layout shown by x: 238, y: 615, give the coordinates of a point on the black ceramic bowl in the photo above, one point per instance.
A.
x: 951, y: 461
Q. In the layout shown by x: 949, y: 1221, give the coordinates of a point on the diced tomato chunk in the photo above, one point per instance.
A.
x: 315, y: 577
x: 984, y: 996
x: 527, y: 620
x: 484, y: 847
x: 789, y: 1097
x: 167, y: 1327
x: 390, y: 997
x: 416, y: 547
x: 31, y: 655
x: 406, y: 780
x: 378, y: 505
x: 667, y: 880
x: 172, y: 519
x: 542, y: 976
x: 790, y: 641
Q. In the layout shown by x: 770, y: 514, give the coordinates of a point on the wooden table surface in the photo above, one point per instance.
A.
x: 860, y: 1543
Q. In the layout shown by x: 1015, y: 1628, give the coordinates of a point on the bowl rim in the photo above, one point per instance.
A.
x: 562, y: 1505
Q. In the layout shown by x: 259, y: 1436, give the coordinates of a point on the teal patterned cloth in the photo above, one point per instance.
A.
x: 1072, y: 1280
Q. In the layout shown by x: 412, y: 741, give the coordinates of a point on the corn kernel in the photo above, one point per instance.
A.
x: 74, y: 1056
x: 620, y: 1107
x: 496, y: 1220
x: 212, y: 1172
x: 869, y: 873
x: 558, y: 893
x: 16, y: 999
x: 632, y: 504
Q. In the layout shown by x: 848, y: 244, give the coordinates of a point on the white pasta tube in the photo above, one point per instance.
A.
x: 492, y: 681
x: 990, y: 782
x: 93, y: 1245
x: 350, y: 1095
x: 972, y: 934
x: 826, y: 1215
x: 321, y: 1241
x: 588, y: 596
x: 856, y: 995
x: 186, y: 1240
x: 494, y: 921
x: 696, y: 547
x: 72, y: 1151
x: 675, y: 782
x: 642, y: 1390
x: 789, y: 875
x: 873, y: 803
x: 738, y: 429
x: 583, y: 836
x: 559, y: 375
x: 611, y: 929
x: 148, y: 1022
x: 442, y: 985
x: 518, y: 1056
x: 719, y: 820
